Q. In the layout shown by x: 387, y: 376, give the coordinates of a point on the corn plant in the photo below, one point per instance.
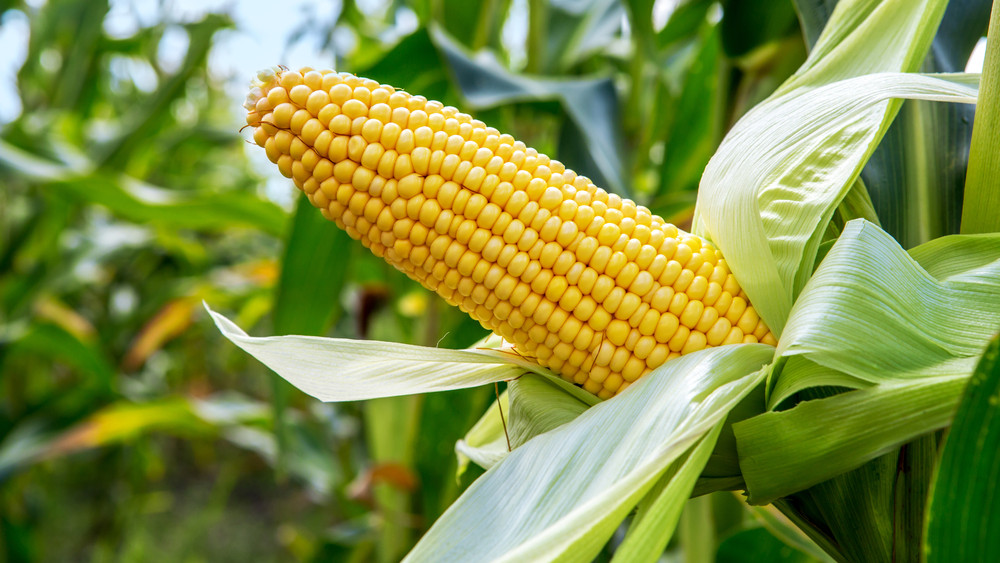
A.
x: 112, y: 388
x: 873, y: 344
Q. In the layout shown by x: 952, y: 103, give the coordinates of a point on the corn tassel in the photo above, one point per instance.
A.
x: 590, y: 285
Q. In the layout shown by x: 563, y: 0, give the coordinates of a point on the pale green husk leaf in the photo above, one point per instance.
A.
x: 561, y: 495
x: 873, y: 319
x: 957, y: 255
x: 766, y: 204
x: 872, y: 312
x: 770, y: 190
x: 339, y: 369
x: 799, y: 372
x: 657, y: 515
x: 959, y: 261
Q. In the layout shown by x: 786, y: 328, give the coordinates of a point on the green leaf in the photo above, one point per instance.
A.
x: 475, y: 24
x: 788, y: 451
x: 695, y: 132
x: 799, y: 372
x: 51, y: 341
x: 444, y: 419
x: 144, y: 203
x: 391, y: 428
x: 308, y: 291
x: 697, y: 535
x: 757, y: 544
x: 341, y: 369
x: 415, y: 65
x: 122, y: 421
x: 914, y: 472
x: 851, y: 515
x: 961, y: 26
x: 981, y: 210
x: 723, y: 466
x: 748, y: 25
x: 854, y: 41
x: 684, y: 21
x: 869, y: 339
x: 562, y: 494
x: 579, y: 28
x: 312, y: 273
x: 143, y: 119
x: 916, y: 176
x: 784, y: 530
x: 962, y: 518
x: 813, y: 15
x: 533, y: 404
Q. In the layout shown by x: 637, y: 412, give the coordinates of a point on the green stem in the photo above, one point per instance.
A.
x: 280, y: 392
x: 391, y: 426
x: 484, y: 26
x: 981, y: 206
x: 697, y: 530
x: 914, y: 474
x: 537, y: 28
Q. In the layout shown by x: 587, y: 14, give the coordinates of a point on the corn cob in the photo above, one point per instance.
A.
x: 590, y: 285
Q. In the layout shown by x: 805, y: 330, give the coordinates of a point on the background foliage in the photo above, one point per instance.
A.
x: 130, y: 430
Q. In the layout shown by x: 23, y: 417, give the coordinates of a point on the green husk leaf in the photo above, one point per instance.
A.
x: 850, y: 515
x: 955, y: 255
x: 917, y: 173
x: 798, y: 373
x: 962, y: 518
x: 340, y: 369
x: 562, y: 495
x: 769, y: 192
x: 854, y: 42
x: 766, y: 204
x: 788, y: 451
x: 539, y: 404
x: 660, y: 511
x: 851, y: 317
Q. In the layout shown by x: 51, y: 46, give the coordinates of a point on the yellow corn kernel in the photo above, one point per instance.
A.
x: 589, y: 285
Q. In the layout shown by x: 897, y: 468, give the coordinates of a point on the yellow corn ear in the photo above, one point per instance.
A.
x: 590, y: 285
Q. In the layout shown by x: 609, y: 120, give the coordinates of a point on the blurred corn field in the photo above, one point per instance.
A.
x: 131, y: 430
